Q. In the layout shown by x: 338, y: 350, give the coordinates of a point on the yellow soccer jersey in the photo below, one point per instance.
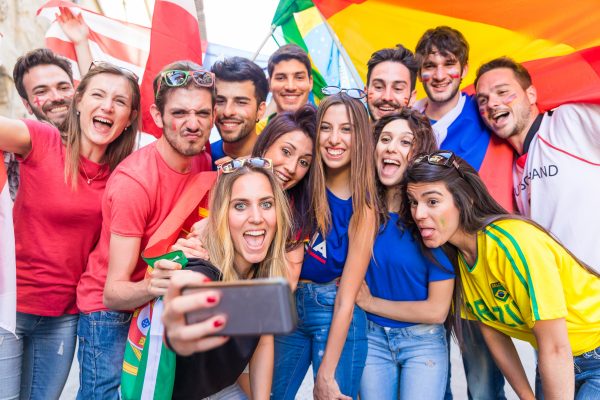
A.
x: 522, y: 275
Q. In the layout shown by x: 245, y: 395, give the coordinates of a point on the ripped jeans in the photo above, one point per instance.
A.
x: 295, y: 352
x: 405, y: 363
x: 36, y: 363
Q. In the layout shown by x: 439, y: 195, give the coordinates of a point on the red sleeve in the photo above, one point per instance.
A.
x: 129, y: 205
x: 44, y: 138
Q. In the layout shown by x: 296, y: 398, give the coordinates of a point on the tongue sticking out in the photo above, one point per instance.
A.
x: 390, y: 169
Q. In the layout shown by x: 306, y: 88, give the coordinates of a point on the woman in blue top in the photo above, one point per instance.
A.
x: 332, y: 331
x: 406, y: 296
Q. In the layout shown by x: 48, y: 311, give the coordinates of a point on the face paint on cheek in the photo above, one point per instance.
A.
x: 173, y: 126
x: 454, y: 74
x: 36, y: 101
x: 442, y: 222
x: 405, y: 102
x: 425, y: 77
x: 510, y: 99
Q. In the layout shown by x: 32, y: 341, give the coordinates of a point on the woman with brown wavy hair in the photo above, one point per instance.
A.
x: 58, y: 218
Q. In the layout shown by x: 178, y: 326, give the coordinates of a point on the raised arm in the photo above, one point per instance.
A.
x: 357, y: 260
x: 14, y: 136
x: 432, y: 310
x: 78, y: 32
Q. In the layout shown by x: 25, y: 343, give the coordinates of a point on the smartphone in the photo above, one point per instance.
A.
x: 253, y: 307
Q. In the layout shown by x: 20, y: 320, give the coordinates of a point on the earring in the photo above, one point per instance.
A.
x: 78, y: 113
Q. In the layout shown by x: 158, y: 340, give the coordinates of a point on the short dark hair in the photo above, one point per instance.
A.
x: 239, y: 69
x: 447, y: 41
x: 304, y: 120
x: 520, y: 72
x: 289, y: 52
x: 160, y: 95
x: 399, y: 54
x: 34, y: 58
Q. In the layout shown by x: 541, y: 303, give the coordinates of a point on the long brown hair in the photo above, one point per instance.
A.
x: 477, y: 209
x: 121, y: 147
x: 362, y: 168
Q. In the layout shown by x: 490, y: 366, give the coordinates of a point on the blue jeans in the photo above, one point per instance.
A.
x: 295, y: 352
x: 405, y: 363
x: 102, y: 338
x: 484, y: 379
x: 587, y: 377
x: 35, y: 364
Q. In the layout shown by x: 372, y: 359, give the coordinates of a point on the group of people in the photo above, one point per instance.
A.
x: 391, y: 218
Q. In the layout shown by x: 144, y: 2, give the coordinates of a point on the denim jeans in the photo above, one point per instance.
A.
x: 295, y: 352
x: 405, y: 363
x: 484, y: 379
x: 102, y: 338
x: 35, y: 364
x: 587, y: 377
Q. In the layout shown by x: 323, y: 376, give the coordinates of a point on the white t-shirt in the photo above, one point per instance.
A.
x: 559, y: 185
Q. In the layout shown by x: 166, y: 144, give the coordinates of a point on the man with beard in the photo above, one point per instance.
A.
x: 557, y: 171
x: 242, y: 89
x: 140, y: 194
x: 391, y: 79
x: 442, y: 54
x: 44, y: 82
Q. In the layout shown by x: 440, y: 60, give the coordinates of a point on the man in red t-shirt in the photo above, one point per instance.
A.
x: 139, y: 195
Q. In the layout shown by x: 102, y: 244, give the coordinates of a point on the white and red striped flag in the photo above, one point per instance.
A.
x: 8, y: 268
x: 174, y: 36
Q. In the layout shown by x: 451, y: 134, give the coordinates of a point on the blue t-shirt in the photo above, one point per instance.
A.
x: 325, y: 257
x: 399, y: 271
x: 216, y: 152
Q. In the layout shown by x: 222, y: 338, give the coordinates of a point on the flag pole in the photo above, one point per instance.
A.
x: 271, y: 31
x: 342, y: 51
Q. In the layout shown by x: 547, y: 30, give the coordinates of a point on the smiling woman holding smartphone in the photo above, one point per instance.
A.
x: 246, y: 239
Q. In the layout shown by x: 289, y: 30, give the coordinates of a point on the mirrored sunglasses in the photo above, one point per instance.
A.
x: 257, y: 162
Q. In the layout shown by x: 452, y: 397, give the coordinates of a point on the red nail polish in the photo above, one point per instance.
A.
x: 206, y: 280
x: 218, y: 323
x: 211, y: 299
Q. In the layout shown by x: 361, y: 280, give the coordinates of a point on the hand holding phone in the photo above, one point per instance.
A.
x: 188, y: 339
x: 252, y: 307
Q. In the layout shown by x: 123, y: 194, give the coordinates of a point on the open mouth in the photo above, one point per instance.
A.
x: 282, y: 177
x: 102, y: 124
x: 426, y: 233
x: 230, y: 123
x: 390, y: 166
x: 255, y: 238
x: 335, y: 152
x: 58, y: 109
x: 499, y: 116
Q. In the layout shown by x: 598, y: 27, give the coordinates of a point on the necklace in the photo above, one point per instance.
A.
x: 88, y: 179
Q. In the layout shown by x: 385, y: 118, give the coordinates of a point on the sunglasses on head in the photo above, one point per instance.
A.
x: 355, y: 93
x: 98, y: 63
x: 177, y: 78
x: 442, y: 158
x: 257, y: 162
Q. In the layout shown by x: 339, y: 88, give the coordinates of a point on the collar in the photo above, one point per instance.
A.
x: 532, y: 131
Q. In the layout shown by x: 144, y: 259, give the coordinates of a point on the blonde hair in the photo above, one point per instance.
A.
x: 118, y: 149
x: 218, y: 235
x: 362, y: 170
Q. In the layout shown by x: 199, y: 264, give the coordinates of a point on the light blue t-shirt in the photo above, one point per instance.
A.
x: 399, y: 271
x: 325, y: 257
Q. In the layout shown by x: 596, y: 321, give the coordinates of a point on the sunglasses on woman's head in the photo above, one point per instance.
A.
x: 442, y: 158
x: 177, y: 78
x: 355, y: 93
x: 98, y: 63
x: 257, y: 162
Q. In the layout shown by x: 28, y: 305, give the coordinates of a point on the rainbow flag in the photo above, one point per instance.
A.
x: 558, y: 42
